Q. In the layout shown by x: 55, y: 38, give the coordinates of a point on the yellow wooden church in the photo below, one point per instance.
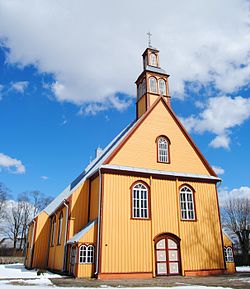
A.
x: 146, y: 206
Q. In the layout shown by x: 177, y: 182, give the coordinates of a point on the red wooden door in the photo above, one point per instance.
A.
x: 167, y: 255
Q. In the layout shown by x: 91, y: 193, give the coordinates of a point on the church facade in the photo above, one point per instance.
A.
x: 146, y: 206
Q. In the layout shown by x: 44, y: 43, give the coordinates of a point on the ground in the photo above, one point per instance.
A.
x: 15, y: 276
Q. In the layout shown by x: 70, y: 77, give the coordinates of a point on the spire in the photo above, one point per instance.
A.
x: 152, y: 82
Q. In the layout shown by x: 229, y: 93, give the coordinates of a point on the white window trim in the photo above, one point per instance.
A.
x: 187, y: 213
x: 143, y: 212
x: 163, y: 153
x: 229, y: 257
x: 53, y: 232
x: 150, y: 86
x: 60, y: 229
x: 88, y: 258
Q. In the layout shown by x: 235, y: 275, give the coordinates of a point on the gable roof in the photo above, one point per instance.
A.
x: 88, y: 171
x: 113, y: 148
x: 188, y: 137
x: 81, y: 233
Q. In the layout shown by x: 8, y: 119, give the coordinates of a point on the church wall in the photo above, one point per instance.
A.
x: 126, y: 245
x: 27, y: 261
x: 141, y: 106
x: 140, y: 149
x: 87, y: 270
x: 41, y: 241
x: 56, y: 252
x: 202, y: 239
x: 79, y: 209
x: 94, y: 197
x: 229, y: 265
x: 129, y: 246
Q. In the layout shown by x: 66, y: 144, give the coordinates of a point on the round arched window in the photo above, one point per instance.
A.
x: 153, y: 84
x: 162, y: 87
x: 153, y: 61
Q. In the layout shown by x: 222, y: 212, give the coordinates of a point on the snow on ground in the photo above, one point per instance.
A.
x: 243, y: 269
x: 18, y: 271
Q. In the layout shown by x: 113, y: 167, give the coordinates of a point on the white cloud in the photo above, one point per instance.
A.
x: 45, y: 178
x: 93, y: 48
x: 218, y: 170
x: 220, y: 115
x: 225, y: 194
x: 1, y: 89
x: 19, y: 86
x: 11, y: 164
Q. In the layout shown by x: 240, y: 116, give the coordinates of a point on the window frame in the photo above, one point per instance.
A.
x: 194, y: 219
x: 148, y: 201
x: 156, y: 85
x: 150, y: 59
x: 59, y: 233
x: 53, y: 232
x: 159, y: 80
x: 228, y: 258
x: 86, y: 246
x: 157, y: 149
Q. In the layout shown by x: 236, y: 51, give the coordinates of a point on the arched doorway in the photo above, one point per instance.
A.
x: 167, y: 255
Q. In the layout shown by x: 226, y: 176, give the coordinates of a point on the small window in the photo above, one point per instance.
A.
x: 163, y: 150
x: 153, y: 84
x: 153, y: 58
x: 53, y: 231
x: 187, y: 204
x: 229, y: 256
x: 59, y: 236
x: 86, y: 254
x: 140, y: 201
x: 162, y: 87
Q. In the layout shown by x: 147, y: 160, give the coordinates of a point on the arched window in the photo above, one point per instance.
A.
x: 229, y: 256
x: 153, y: 58
x: 163, y: 149
x: 187, y: 203
x: 153, y: 84
x: 140, y: 90
x: 162, y: 86
x: 86, y: 254
x: 53, y: 231
x: 143, y: 86
x: 59, y: 236
x: 140, y: 201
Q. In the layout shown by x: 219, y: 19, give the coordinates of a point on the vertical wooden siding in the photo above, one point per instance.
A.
x: 94, y: 197
x: 140, y: 149
x: 87, y: 270
x: 56, y: 252
x: 129, y: 246
x: 79, y: 209
x: 41, y: 241
x: 126, y: 243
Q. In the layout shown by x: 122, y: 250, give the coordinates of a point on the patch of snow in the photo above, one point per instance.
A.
x: 243, y: 269
x: 18, y: 271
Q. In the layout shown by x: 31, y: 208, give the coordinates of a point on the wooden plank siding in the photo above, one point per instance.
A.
x: 140, y: 149
x: 129, y: 246
x: 41, y: 241
x: 87, y: 270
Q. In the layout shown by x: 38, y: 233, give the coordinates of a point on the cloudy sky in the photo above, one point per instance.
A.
x: 67, y: 72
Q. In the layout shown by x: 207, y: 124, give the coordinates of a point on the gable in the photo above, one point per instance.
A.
x: 140, y: 150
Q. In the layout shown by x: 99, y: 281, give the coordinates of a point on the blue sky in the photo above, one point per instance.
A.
x: 64, y: 91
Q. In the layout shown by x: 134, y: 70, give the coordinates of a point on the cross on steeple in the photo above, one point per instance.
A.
x: 149, y: 39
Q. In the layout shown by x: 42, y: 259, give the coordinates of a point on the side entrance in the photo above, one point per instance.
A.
x: 167, y: 255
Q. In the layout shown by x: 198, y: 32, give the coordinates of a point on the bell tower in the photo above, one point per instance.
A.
x: 152, y: 82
